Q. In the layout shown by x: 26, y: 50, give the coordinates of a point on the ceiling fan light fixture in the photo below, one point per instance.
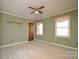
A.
x: 36, y: 12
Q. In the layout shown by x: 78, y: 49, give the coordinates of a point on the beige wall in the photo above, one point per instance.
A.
x: 12, y: 32
x: 0, y: 28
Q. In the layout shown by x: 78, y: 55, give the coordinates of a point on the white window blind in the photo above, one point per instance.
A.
x: 62, y: 26
x: 39, y: 28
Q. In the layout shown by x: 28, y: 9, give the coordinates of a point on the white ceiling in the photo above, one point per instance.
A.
x: 20, y: 7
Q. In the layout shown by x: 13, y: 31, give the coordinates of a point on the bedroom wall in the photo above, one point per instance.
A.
x: 49, y: 30
x: 0, y: 28
x: 12, y: 32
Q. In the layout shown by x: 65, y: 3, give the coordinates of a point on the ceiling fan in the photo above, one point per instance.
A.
x: 37, y: 10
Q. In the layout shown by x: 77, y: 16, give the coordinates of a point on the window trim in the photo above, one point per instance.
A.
x: 36, y: 28
x: 57, y: 36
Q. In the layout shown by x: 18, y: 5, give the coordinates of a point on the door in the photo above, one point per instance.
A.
x: 31, y: 32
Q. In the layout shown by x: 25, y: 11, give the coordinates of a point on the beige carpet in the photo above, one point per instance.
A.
x: 36, y: 50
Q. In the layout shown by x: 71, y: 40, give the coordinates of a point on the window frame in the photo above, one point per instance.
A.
x: 37, y: 27
x: 59, y: 36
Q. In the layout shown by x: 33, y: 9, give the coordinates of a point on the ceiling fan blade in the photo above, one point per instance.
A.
x: 41, y: 7
x: 32, y: 12
x: 41, y: 12
x: 32, y: 8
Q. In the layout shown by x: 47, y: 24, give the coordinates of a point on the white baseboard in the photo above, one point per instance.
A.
x: 12, y: 44
x: 58, y: 45
x: 41, y: 41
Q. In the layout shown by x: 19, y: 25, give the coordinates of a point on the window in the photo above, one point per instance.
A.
x: 62, y: 26
x: 39, y: 28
